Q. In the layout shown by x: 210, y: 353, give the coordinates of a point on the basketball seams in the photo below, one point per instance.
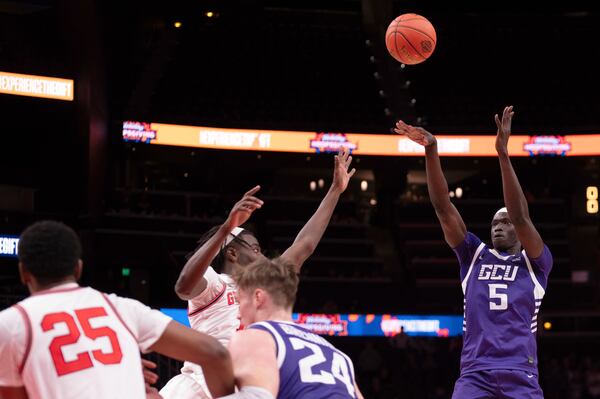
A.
x: 420, y: 31
x: 414, y: 19
x: 411, y: 45
x: 419, y: 47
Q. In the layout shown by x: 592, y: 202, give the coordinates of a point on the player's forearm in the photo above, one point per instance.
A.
x: 437, y: 186
x: 514, y: 199
x: 185, y: 344
x: 309, y: 237
x: 219, y: 376
x: 196, y: 266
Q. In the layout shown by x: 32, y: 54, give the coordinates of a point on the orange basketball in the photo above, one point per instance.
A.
x: 410, y: 39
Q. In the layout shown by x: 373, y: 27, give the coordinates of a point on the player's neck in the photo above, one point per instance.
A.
x: 34, y: 286
x: 277, y: 314
x: 511, y: 251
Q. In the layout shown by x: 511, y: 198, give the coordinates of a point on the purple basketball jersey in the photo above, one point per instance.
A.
x: 503, y: 294
x: 309, y: 366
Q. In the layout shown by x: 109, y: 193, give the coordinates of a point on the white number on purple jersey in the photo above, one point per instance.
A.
x: 339, y: 367
x: 496, y: 295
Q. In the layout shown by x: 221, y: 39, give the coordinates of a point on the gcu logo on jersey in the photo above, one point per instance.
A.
x: 498, y: 272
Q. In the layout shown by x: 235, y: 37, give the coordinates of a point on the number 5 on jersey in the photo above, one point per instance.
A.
x: 83, y: 360
x: 497, y: 295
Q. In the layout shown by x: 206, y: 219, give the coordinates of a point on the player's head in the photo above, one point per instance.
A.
x: 264, y: 287
x: 49, y: 253
x: 241, y: 247
x: 504, y: 235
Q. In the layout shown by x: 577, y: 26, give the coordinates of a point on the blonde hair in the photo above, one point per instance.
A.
x: 277, y: 277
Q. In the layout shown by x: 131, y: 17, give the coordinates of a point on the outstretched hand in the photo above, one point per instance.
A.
x: 341, y: 175
x: 243, y: 209
x: 415, y: 133
x: 503, y: 133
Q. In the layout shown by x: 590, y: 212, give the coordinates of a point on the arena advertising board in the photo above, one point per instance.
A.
x: 365, y: 325
x: 9, y: 246
x: 359, y: 144
x: 36, y: 86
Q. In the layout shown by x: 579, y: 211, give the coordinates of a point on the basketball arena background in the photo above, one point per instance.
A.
x: 141, y: 123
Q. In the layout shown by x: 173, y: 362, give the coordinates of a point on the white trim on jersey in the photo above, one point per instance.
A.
x: 497, y: 255
x: 349, y: 361
x: 278, y: 341
x: 466, y: 279
x: 538, y: 292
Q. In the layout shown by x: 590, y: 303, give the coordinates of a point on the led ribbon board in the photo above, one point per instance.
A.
x: 9, y: 246
x: 36, y: 86
x: 359, y: 144
x: 364, y: 325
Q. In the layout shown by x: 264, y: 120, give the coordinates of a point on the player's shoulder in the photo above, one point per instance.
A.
x: 274, y: 328
x: 215, y: 290
x: 252, y: 339
x: 120, y: 302
x: 470, y: 242
x: 9, y: 314
x: 255, y: 342
x: 473, y: 239
x: 10, y: 321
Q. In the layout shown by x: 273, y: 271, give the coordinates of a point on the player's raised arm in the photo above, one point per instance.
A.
x: 253, y: 353
x: 191, y: 281
x: 183, y: 343
x: 452, y: 223
x: 514, y: 199
x: 308, y: 238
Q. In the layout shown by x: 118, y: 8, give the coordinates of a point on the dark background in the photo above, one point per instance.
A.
x: 314, y: 66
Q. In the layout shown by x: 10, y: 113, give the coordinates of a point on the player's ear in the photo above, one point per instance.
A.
x: 258, y: 297
x: 78, y: 270
x: 231, y: 254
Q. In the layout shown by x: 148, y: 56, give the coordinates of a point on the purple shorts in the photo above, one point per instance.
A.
x: 498, y: 384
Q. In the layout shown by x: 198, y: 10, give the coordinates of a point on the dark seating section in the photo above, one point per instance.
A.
x: 540, y: 88
x: 274, y: 69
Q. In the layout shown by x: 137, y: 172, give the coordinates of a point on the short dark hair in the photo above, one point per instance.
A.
x: 276, y: 276
x: 49, y: 250
x: 219, y: 261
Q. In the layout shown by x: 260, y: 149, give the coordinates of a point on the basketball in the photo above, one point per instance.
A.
x: 410, y: 39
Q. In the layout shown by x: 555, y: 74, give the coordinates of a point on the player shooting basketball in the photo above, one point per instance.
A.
x: 503, y: 286
x: 206, y: 283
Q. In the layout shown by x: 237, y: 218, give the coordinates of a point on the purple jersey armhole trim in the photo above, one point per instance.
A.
x: 279, y: 344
